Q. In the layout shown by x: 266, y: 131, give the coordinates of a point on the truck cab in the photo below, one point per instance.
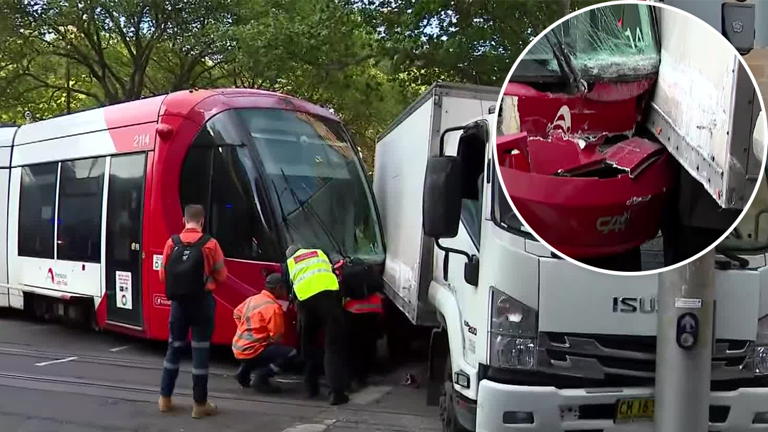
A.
x: 526, y: 340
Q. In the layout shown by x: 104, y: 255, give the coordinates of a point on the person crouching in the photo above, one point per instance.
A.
x: 258, y: 341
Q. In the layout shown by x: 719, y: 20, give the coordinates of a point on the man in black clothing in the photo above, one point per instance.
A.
x: 321, y: 311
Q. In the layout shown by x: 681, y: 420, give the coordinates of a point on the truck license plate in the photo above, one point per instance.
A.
x: 631, y: 410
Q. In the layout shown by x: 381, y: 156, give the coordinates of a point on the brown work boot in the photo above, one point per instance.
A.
x: 203, y: 410
x: 164, y: 404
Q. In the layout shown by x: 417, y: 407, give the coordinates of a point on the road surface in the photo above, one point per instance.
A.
x: 59, y: 378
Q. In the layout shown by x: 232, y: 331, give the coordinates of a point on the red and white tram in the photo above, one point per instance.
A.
x: 92, y: 198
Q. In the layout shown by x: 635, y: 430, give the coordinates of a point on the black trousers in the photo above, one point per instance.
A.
x: 323, y: 312
x: 269, y: 362
x: 197, y: 316
x: 362, y: 344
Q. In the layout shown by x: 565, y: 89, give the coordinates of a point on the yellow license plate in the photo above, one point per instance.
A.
x: 631, y: 410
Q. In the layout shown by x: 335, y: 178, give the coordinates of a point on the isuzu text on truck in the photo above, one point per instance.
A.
x: 524, y: 340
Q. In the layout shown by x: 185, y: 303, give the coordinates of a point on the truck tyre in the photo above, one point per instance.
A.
x: 448, y: 417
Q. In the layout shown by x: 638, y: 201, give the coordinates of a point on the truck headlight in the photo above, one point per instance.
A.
x: 513, y: 332
x: 761, y: 347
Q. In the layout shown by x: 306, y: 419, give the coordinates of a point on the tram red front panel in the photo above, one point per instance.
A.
x: 165, y: 215
x: 551, y: 168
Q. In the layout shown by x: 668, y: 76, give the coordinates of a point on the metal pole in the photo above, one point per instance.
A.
x: 761, y: 28
x: 684, y: 346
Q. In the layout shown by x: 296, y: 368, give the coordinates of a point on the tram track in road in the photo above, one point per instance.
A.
x: 15, y: 379
x: 134, y: 392
x: 118, y: 361
x: 78, y: 362
x: 53, y: 357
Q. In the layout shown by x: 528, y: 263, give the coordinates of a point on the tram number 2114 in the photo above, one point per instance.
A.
x: 141, y: 140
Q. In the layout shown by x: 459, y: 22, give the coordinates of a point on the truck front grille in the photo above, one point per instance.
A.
x: 604, y: 357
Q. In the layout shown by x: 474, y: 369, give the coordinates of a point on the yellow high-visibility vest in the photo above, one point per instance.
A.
x: 311, y: 272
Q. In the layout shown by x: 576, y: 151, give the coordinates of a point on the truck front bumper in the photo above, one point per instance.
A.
x: 553, y: 410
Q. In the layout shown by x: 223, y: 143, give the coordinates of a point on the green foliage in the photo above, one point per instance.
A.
x: 119, y: 45
x: 460, y: 40
x: 364, y: 59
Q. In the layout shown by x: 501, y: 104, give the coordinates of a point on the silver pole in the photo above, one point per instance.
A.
x: 761, y: 24
x: 684, y: 346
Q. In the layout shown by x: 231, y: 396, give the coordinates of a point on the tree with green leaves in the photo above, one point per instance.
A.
x: 117, y: 44
x: 460, y: 40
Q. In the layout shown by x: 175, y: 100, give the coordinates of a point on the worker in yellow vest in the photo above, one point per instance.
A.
x: 316, y: 289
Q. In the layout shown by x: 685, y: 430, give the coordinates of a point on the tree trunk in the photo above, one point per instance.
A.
x: 565, y: 7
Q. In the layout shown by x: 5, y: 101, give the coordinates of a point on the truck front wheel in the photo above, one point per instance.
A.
x: 447, y: 403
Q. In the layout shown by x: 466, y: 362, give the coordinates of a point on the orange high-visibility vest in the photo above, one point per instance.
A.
x: 370, y: 304
x: 260, y: 322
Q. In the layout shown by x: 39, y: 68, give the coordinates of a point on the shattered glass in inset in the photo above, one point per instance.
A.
x: 617, y: 41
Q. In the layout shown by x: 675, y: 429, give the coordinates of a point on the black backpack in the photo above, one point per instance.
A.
x: 185, y: 270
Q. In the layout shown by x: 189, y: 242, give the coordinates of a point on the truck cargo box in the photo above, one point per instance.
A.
x: 401, y: 160
x: 705, y: 111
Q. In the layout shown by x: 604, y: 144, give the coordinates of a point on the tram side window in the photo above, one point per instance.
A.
x: 81, y: 190
x: 218, y: 172
x: 36, y: 210
x: 235, y: 216
x: 195, y: 181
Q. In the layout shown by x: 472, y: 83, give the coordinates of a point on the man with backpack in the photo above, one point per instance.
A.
x: 192, y: 265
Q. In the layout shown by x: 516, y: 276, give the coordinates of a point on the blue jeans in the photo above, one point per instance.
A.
x: 197, y: 316
x: 268, y: 363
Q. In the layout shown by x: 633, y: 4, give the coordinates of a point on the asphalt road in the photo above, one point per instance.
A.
x: 59, y: 378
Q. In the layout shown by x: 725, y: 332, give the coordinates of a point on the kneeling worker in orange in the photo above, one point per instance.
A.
x: 257, y: 343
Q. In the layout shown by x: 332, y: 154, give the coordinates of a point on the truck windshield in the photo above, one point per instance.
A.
x: 615, y: 42
x: 323, y: 197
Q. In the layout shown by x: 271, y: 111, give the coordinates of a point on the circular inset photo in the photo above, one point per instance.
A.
x: 629, y: 138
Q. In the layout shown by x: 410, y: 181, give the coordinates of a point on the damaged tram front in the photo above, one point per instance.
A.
x: 579, y: 163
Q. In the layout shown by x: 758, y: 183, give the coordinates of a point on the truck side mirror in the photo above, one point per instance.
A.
x: 442, y: 197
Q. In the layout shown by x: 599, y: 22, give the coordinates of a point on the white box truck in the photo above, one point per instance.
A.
x: 402, y: 154
x: 711, y: 127
x: 521, y: 339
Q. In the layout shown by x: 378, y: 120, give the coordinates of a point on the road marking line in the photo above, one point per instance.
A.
x: 288, y: 380
x: 56, y: 361
x: 369, y: 394
x: 119, y: 348
x: 310, y: 427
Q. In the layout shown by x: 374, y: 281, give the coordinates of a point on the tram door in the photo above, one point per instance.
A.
x: 125, y: 203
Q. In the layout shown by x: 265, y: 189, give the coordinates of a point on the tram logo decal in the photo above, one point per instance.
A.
x: 159, y: 301
x: 57, y: 279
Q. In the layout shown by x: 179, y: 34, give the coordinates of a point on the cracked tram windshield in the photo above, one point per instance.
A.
x: 322, y: 193
x: 607, y: 43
